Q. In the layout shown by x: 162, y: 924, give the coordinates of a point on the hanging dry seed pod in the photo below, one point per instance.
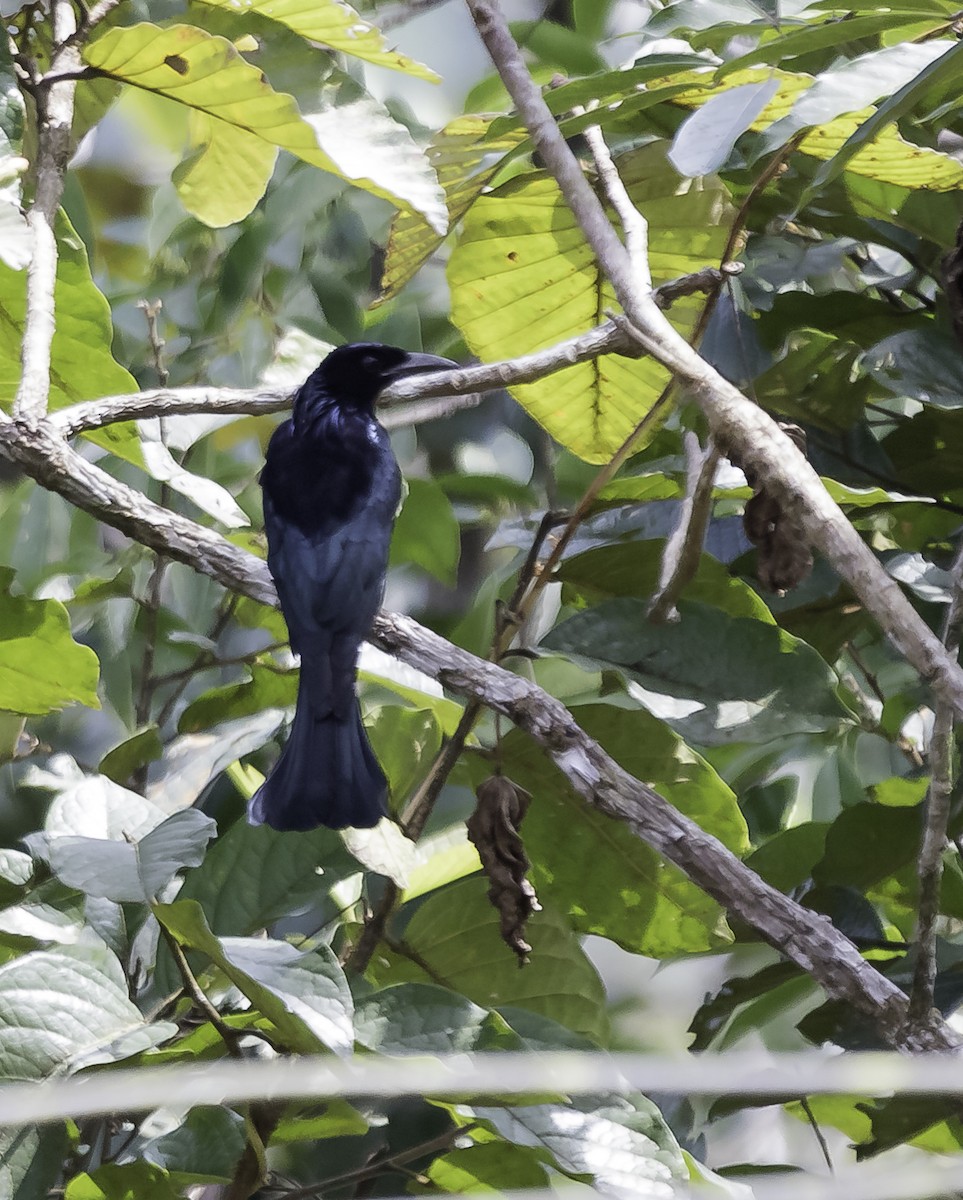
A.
x: 784, y: 559
x: 952, y: 271
x: 493, y: 827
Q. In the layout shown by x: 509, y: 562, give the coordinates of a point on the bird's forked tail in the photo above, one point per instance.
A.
x: 327, y: 774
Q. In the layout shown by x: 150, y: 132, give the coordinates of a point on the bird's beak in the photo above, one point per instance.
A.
x: 420, y: 364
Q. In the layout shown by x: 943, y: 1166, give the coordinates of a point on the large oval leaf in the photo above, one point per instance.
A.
x: 207, y: 73
x: 523, y: 277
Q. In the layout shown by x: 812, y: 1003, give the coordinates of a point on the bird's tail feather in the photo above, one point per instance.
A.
x: 327, y: 775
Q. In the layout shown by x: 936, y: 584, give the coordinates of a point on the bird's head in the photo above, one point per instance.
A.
x: 355, y: 374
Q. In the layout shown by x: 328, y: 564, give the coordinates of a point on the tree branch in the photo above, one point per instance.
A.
x: 468, y: 382
x: 55, y: 110
x: 683, y: 549
x: 806, y: 938
x: 733, y: 419
x: 936, y: 815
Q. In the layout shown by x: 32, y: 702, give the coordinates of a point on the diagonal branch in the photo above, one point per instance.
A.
x: 733, y: 419
x: 804, y: 937
x: 608, y: 338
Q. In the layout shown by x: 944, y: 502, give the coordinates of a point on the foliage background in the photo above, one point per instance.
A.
x: 140, y: 700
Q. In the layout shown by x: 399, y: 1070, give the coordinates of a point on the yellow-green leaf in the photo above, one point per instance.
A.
x: 523, y: 277
x: 889, y: 158
x: 206, y: 73
x: 465, y: 160
x: 225, y: 177
x: 81, y: 364
x: 42, y: 668
x: 334, y: 24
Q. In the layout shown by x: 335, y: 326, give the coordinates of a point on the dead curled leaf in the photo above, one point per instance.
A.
x: 784, y: 559
x: 493, y: 828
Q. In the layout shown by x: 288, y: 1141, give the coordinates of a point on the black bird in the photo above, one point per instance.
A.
x: 331, y: 490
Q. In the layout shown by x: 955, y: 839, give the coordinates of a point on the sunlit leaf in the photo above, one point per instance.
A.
x: 523, y: 277
x: 42, y: 668
x: 81, y: 364
x: 208, y: 74
x: 226, y: 172
x: 305, y: 996
x: 332, y: 23
x: 454, y: 936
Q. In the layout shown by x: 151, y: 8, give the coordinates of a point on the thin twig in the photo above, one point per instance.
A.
x: 817, y: 1133
x: 200, y: 1001
x: 220, y: 624
x: 936, y: 815
x: 683, y: 548
x: 380, y: 1166
x: 361, y: 953
x: 635, y: 228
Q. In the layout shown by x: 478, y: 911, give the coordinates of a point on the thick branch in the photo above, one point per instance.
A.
x: 55, y: 110
x: 608, y: 338
x: 733, y: 419
x: 806, y: 938
x: 162, y: 402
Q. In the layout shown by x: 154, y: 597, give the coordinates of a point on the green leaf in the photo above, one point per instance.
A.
x: 489, y: 1167
x: 226, y: 172
x: 621, y: 1145
x: 31, y: 1161
x: 383, y: 849
x: 339, y: 1119
x: 421, y: 1018
x: 193, y: 760
x: 921, y: 363
x: 81, y: 365
x: 42, y: 668
x: 132, y: 870
x: 787, y: 860
x: 268, y: 687
x: 332, y: 23
x: 523, y: 277
x: 143, y: 747
x: 405, y: 741
x: 397, y: 677
x: 889, y: 158
x: 96, y: 807
x: 944, y: 69
x: 305, y: 996
x: 595, y: 869
x: 85, y: 1016
x: 426, y: 532
x: 252, y: 875
x: 205, y: 1147
x: 127, y: 1181
x: 712, y: 677
x: 454, y: 937
x: 441, y: 859
x: 868, y: 842
x: 356, y: 142
x: 632, y: 569
x: 465, y: 158
x: 705, y: 139
x: 14, y: 232
x: 820, y: 36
